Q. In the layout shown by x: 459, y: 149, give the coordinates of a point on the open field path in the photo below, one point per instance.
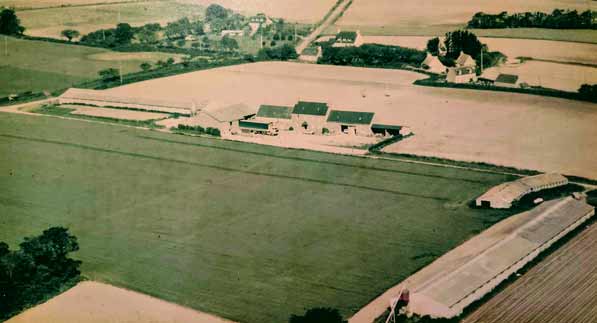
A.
x: 561, y: 288
x: 337, y: 12
x: 93, y: 302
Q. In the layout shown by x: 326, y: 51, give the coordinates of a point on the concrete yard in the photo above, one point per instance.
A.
x: 450, y: 123
x: 561, y: 288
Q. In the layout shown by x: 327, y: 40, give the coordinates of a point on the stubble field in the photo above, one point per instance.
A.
x: 451, y: 123
x: 248, y: 232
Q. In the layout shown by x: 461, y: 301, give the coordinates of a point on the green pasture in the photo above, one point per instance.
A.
x: 248, y: 232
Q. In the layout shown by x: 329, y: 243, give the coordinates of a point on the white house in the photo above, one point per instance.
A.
x: 461, y: 74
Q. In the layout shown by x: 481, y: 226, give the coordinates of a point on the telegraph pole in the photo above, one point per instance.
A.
x: 5, y: 45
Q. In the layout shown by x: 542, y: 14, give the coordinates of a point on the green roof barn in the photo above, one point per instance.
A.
x: 350, y: 117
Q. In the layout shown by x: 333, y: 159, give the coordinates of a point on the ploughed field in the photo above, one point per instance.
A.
x: 61, y: 65
x: 561, y: 288
x: 250, y: 233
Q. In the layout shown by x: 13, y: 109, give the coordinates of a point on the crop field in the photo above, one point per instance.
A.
x: 251, y: 233
x: 422, y: 13
x: 50, y: 22
x: 560, y: 288
x: 60, y: 66
x: 33, y: 4
x: 451, y: 123
x: 567, y: 52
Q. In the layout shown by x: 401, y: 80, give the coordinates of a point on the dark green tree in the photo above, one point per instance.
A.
x: 70, y: 34
x: 109, y: 74
x: 229, y: 43
x: 318, y: 315
x: 462, y: 41
x: 10, y: 23
x: 145, y: 66
x: 215, y: 11
x: 433, y: 46
x: 124, y: 34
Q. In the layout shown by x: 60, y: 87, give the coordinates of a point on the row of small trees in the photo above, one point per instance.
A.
x: 39, y: 269
x: 558, y: 19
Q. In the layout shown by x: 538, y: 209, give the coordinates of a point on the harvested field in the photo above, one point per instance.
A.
x: 306, y: 11
x: 566, y: 52
x: 451, y: 123
x: 50, y: 22
x: 152, y: 213
x: 93, y: 302
x: 560, y: 288
x: 33, y: 4
x: 115, y: 113
x: 60, y: 66
x: 421, y: 14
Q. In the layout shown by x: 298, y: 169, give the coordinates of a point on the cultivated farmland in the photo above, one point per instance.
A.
x: 457, y: 124
x: 114, y: 113
x: 50, y: 22
x: 561, y: 288
x: 248, y: 232
x: 415, y: 17
x: 61, y: 65
x: 33, y: 4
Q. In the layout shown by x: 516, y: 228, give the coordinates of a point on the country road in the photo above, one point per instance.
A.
x: 330, y: 20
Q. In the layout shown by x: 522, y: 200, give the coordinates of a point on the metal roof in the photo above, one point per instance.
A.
x: 350, y: 117
x: 254, y: 125
x: 274, y: 111
x: 312, y: 108
x: 507, y: 78
x: 102, y: 96
x: 512, y: 191
x: 229, y: 113
x: 346, y: 36
x: 385, y: 126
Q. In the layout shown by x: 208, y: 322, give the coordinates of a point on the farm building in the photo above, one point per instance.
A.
x: 503, y: 195
x: 224, y: 118
x: 99, y: 98
x: 433, y: 64
x: 386, y: 129
x: 506, y: 80
x: 482, y: 263
x: 465, y: 60
x: 350, y: 122
x: 311, y: 54
x: 257, y: 127
x: 232, y: 33
x: 348, y: 39
x: 463, y: 74
x: 279, y: 116
x: 309, y: 116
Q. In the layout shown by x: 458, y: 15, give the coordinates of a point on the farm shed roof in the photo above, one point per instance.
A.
x: 100, y: 96
x: 507, y: 78
x: 448, y: 292
x: 312, y: 108
x: 511, y: 191
x: 346, y: 36
x: 385, y: 126
x: 274, y: 111
x: 350, y: 117
x: 254, y: 125
x: 229, y: 113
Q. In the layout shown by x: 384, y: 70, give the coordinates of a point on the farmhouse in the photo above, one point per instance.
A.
x: 465, y: 60
x: 506, y: 80
x: 348, y: 39
x: 433, y: 64
x: 278, y: 116
x: 309, y: 116
x: 502, y: 196
x: 462, y: 74
x: 101, y: 99
x: 485, y: 262
x: 350, y: 122
x: 224, y: 118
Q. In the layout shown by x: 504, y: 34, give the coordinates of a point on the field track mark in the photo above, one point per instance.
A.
x: 96, y: 4
x: 313, y: 160
x: 228, y: 169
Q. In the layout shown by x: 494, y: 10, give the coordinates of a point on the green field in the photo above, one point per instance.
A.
x: 251, y: 233
x: 27, y: 65
x: 50, y: 22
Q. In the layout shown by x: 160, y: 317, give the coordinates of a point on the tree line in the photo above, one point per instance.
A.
x: 467, y: 42
x: 372, y: 55
x: 557, y: 19
x: 39, y: 269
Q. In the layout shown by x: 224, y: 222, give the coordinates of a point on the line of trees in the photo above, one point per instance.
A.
x: 558, y: 19
x: 373, y: 55
x: 468, y: 43
x: 280, y: 53
x: 39, y: 269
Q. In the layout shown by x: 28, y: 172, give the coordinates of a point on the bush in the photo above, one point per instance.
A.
x: 588, y: 91
x: 282, y: 53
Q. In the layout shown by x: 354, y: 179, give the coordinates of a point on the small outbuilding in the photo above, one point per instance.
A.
x: 386, y: 129
x: 506, y: 80
x: 348, y: 39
